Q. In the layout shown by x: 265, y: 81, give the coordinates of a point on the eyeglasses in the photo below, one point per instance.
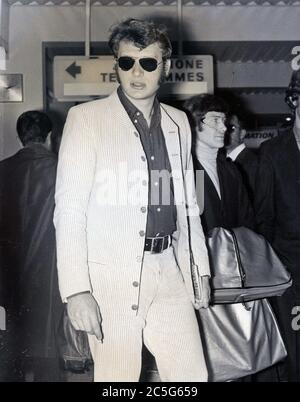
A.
x: 215, y: 120
x: 147, y: 63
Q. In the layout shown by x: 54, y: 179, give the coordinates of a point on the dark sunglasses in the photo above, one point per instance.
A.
x: 147, y: 63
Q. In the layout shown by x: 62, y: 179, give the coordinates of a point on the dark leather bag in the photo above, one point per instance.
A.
x: 73, y: 346
x: 244, y: 266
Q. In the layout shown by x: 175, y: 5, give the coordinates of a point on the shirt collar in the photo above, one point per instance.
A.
x: 134, y: 112
x: 128, y: 106
x: 235, y: 153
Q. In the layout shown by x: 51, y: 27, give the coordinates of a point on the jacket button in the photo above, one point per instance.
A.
x: 135, y: 284
x: 143, y: 209
x: 134, y: 307
x: 143, y: 158
x: 142, y: 233
x: 136, y: 134
x: 139, y: 258
x: 144, y: 182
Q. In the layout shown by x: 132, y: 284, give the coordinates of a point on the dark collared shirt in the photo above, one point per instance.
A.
x: 161, y: 219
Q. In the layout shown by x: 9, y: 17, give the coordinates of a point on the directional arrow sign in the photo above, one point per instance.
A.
x: 80, y: 78
x: 73, y: 70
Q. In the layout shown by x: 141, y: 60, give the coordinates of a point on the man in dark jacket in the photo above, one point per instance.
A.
x: 245, y: 158
x: 29, y: 291
x: 277, y: 204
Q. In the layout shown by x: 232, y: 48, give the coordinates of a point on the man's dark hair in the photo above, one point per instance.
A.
x: 141, y: 34
x: 241, y: 117
x: 33, y: 126
x: 293, y: 92
x: 236, y: 107
x: 199, y: 105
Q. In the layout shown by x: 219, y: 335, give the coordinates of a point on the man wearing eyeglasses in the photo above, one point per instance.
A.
x: 127, y: 220
x: 277, y: 201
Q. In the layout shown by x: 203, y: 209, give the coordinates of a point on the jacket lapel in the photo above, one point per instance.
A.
x: 172, y: 138
x: 119, y: 113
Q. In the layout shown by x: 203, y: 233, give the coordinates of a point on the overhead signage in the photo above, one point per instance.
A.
x: 254, y: 138
x: 78, y: 78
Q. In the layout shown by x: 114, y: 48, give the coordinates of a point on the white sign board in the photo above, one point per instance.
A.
x: 254, y: 138
x: 80, y: 78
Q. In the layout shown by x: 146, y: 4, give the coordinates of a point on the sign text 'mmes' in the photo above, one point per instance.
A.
x: 81, y: 78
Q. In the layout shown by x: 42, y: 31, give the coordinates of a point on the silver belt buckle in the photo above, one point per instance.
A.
x: 163, y: 238
x: 162, y: 244
x: 153, y: 244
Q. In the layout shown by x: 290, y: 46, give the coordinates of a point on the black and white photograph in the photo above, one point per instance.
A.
x: 149, y: 193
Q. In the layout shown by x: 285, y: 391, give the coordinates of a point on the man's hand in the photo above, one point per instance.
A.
x: 84, y: 314
x: 205, y: 292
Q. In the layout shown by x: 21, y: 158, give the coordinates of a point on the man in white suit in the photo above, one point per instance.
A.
x: 126, y: 220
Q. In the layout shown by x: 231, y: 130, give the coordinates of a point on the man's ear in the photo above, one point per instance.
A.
x: 243, y: 134
x: 167, y: 66
x: 117, y: 72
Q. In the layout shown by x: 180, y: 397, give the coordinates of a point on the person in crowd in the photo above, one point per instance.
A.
x: 245, y: 158
x: 277, y: 200
x: 226, y: 202
x: 123, y: 244
x: 28, y: 255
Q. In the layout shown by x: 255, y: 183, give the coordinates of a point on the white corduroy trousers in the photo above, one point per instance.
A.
x: 165, y: 321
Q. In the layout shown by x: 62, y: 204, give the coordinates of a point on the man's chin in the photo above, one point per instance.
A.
x: 139, y: 95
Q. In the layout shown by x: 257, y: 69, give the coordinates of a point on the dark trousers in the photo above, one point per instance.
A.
x: 289, y: 369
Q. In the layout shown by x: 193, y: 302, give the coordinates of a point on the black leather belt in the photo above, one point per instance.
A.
x: 157, y: 244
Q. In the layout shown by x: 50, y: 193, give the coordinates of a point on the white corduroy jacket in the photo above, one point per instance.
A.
x: 102, y: 192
